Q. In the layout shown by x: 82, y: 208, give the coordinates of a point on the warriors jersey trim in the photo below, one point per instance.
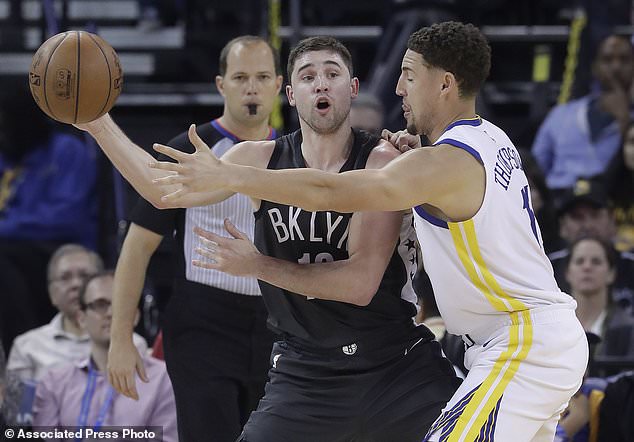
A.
x: 430, y: 218
x: 476, y: 121
x: 461, y: 145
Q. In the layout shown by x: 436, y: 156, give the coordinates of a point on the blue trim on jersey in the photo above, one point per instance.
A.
x: 469, y: 122
x: 431, y: 218
x: 233, y: 137
x: 461, y: 145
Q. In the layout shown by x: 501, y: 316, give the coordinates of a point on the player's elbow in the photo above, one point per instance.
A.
x: 365, y: 292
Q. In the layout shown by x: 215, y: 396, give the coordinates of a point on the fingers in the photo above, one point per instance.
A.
x: 206, y: 235
x: 233, y: 231
x: 386, y: 134
x: 130, y: 387
x: 170, y: 152
x: 174, y: 178
x: 198, y: 143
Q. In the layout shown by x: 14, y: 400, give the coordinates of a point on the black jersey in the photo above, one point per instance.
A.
x: 293, y: 234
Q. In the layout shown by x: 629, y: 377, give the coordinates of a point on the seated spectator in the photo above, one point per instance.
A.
x: 580, y: 421
x: 63, y: 339
x: 579, y: 139
x: 80, y: 395
x: 590, y: 273
x: 366, y: 113
x: 620, y: 178
x: 585, y: 211
x: 617, y: 408
x: 47, y: 198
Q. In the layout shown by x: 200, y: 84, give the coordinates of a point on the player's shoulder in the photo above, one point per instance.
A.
x: 381, y: 154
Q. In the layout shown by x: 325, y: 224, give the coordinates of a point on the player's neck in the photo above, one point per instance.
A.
x: 326, y: 152
x: 462, y: 110
x: 257, y: 131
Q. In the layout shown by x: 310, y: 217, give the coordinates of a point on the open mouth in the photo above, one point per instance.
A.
x: 253, y: 108
x: 323, y: 104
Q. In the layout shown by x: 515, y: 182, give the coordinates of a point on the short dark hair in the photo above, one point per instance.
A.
x: 247, y: 40
x: 457, y: 48
x: 82, y: 291
x: 319, y: 43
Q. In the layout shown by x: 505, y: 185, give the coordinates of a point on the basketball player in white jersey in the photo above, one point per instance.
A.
x: 481, y: 243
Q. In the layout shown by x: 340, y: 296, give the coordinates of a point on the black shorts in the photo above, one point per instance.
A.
x: 393, y: 392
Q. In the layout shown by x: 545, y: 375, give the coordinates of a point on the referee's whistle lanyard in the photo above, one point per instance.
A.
x: 87, y: 399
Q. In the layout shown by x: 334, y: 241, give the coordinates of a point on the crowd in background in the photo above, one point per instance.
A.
x: 55, y: 296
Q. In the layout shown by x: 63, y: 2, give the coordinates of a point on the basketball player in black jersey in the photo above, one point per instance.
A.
x: 350, y: 365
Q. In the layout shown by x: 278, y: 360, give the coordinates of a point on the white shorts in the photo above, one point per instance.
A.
x: 521, y: 376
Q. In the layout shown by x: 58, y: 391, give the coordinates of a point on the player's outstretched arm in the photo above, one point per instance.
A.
x: 130, y: 159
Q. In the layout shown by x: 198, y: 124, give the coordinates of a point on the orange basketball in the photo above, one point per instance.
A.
x: 75, y: 77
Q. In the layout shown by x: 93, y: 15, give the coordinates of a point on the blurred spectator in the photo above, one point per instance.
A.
x: 617, y: 408
x: 590, y: 273
x: 62, y: 340
x: 47, y: 198
x: 585, y: 211
x: 580, y: 421
x: 580, y: 138
x: 542, y: 202
x: 367, y: 113
x: 620, y: 179
x: 80, y: 395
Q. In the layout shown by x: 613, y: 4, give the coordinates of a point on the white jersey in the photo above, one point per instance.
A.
x: 494, y: 263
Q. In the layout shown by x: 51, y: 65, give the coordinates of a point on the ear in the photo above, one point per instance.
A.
x: 448, y: 83
x: 611, y: 277
x: 290, y: 95
x: 220, y: 85
x: 354, y: 87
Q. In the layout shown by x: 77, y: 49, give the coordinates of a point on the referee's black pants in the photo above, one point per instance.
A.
x: 217, y: 350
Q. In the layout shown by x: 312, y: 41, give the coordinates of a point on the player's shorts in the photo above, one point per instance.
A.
x: 391, y: 392
x: 522, y: 374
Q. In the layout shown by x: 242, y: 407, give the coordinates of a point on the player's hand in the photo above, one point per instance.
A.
x: 237, y: 256
x: 198, y: 172
x: 124, y: 361
x: 402, y: 139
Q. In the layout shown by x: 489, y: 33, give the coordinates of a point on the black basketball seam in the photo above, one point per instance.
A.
x: 45, y: 75
x: 78, y: 70
x: 105, y: 57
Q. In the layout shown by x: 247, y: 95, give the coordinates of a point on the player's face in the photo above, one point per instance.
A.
x: 589, y: 269
x: 249, y: 85
x: 321, y: 89
x: 420, y: 85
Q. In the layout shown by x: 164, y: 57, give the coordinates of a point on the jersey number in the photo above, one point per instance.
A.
x: 529, y: 210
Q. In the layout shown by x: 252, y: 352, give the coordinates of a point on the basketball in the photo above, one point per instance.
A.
x: 75, y: 77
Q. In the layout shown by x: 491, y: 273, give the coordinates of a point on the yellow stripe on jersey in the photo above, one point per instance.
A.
x: 491, y: 390
x: 515, y: 304
x: 465, y: 258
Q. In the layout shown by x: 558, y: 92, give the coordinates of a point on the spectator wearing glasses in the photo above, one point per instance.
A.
x: 80, y: 395
x: 63, y: 339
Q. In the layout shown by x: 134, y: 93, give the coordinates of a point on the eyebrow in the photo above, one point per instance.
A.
x: 307, y: 65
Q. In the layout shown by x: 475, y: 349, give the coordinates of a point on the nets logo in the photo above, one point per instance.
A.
x: 349, y: 349
x: 63, y: 84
